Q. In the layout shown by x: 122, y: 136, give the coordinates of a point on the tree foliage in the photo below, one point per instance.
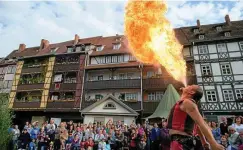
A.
x: 5, y: 121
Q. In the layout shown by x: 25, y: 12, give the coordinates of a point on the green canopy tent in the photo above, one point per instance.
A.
x: 169, y: 99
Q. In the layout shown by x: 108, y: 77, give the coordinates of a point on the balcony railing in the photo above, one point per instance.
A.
x: 17, y: 104
x: 113, y: 84
x: 29, y: 87
x: 63, y: 87
x: 163, y: 82
x: 222, y: 106
x: 60, y: 104
x: 66, y: 67
x: 32, y: 70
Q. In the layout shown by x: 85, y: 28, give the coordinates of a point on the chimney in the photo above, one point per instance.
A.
x: 22, y: 47
x: 198, y: 23
x: 44, y: 44
x: 227, y: 19
x: 76, y: 38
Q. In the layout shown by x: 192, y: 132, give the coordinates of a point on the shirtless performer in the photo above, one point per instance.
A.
x: 183, y: 116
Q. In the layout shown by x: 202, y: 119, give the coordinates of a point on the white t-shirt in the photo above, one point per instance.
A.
x: 238, y: 127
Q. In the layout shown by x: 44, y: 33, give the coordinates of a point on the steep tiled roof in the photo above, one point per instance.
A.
x: 211, y: 34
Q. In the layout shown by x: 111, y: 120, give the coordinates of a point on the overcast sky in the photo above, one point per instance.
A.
x: 29, y: 22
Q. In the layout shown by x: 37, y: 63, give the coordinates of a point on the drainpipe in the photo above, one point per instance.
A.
x: 141, y: 88
x: 84, y: 75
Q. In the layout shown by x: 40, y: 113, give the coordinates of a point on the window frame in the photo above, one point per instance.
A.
x: 99, y: 48
x: 131, y: 96
x: 116, y: 46
x: 227, y: 68
x: 208, y: 71
x: 12, y: 69
x: 211, y: 96
x: 239, y: 93
x: 219, y: 28
x: 228, y: 95
x: 227, y: 34
x: 241, y: 45
x: 112, y: 105
x: 201, y: 36
x: 204, y: 48
x: 220, y: 49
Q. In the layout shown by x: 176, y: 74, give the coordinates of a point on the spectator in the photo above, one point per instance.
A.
x: 24, y: 139
x: 165, y: 137
x: 238, y: 125
x: 240, y: 139
x: 75, y: 143
x: 155, y: 137
x: 233, y: 138
x: 216, y: 131
x: 224, y: 142
x: 223, y: 126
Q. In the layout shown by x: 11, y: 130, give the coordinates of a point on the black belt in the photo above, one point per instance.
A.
x: 184, y: 140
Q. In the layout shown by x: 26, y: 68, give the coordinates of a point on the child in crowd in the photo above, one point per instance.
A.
x: 102, y: 144
x: 90, y: 143
x: 32, y: 145
x: 83, y: 144
x: 224, y: 142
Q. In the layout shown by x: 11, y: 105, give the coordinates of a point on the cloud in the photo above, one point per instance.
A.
x: 30, y: 21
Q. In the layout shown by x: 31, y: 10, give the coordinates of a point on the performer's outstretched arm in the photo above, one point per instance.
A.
x: 203, y: 139
x: 192, y: 110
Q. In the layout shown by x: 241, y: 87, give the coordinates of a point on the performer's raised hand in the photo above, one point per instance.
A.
x: 217, y: 146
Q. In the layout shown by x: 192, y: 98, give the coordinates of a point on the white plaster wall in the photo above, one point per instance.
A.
x: 213, y: 56
x: 88, y: 119
x: 220, y: 94
x: 215, y: 69
x: 218, y: 79
x: 226, y: 87
x: 238, y: 86
x: 237, y: 67
x: 198, y: 70
x: 196, y: 57
x: 209, y: 87
x: 128, y: 120
x: 93, y: 61
x: 199, y: 79
x: 233, y: 46
x: 212, y: 48
x: 234, y: 54
x: 238, y: 77
x: 100, y: 108
x: 8, y: 76
x: 195, y: 51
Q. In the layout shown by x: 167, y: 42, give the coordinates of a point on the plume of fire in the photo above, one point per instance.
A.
x: 151, y: 37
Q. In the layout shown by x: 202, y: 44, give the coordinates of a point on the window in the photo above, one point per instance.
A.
x: 120, y: 58
x: 159, y: 95
x: 228, y: 95
x: 122, y: 76
x: 53, y: 50
x: 100, y: 77
x: 99, y: 48
x: 117, y: 46
x: 150, y: 74
x: 226, y: 70
x: 201, y: 37
x: 211, y: 96
x: 221, y: 47
x: 132, y: 58
x: 98, y: 97
x: 203, y: 49
x: 114, y: 59
x: 100, y: 120
x: 155, y: 96
x: 108, y: 59
x: 58, y: 78
x: 206, y: 70
x: 7, y: 84
x: 2, y: 70
x: 219, y: 28
x: 101, y: 60
x: 196, y: 31
x: 131, y: 96
x: 70, y: 49
x: 78, y: 48
x: 11, y: 69
x: 239, y: 93
x: 151, y: 96
x: 241, y: 45
x: 130, y: 75
x: 110, y: 105
x: 227, y: 34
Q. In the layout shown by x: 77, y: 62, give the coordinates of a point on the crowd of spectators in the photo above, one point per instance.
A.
x: 114, y: 136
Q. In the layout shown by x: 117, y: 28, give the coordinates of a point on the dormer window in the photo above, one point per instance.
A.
x: 219, y: 28
x: 227, y: 34
x: 110, y: 105
x: 70, y: 49
x: 201, y: 36
x: 196, y: 31
x: 116, y: 46
x: 99, y: 48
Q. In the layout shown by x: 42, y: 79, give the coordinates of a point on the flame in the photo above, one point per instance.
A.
x: 151, y: 37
